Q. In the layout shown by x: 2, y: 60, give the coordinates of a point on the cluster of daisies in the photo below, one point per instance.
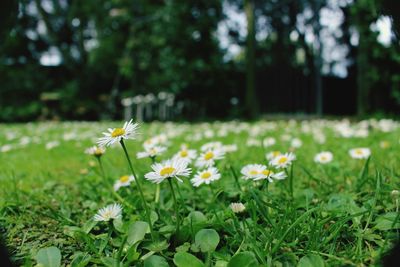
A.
x: 272, y: 171
x: 181, y: 164
x: 204, y: 161
x: 177, y: 167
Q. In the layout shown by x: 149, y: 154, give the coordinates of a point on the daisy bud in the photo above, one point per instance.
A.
x: 237, y: 207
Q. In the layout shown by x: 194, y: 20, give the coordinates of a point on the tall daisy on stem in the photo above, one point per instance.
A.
x: 169, y: 169
x: 128, y: 131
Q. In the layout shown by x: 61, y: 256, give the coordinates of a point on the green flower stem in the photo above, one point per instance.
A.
x: 290, y: 176
x: 158, y: 186
x: 107, y: 183
x: 175, y: 205
x: 236, y: 177
x: 291, y: 181
x: 139, y: 188
x: 103, y: 173
x: 208, y: 259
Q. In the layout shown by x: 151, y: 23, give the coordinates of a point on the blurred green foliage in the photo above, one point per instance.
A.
x: 114, y: 48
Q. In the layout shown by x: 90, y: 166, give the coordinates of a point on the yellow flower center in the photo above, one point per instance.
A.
x: 167, y: 171
x: 324, y: 158
x: 98, y: 152
x: 206, y: 175
x: 107, y: 215
x: 253, y: 172
x: 209, y: 155
x: 385, y: 144
x: 359, y: 151
x: 282, y: 160
x: 276, y: 153
x: 267, y: 172
x: 152, y: 151
x: 124, y: 179
x: 118, y: 132
x: 184, y: 153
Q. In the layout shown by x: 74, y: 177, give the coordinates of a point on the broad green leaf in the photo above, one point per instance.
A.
x: 196, y: 217
x: 49, y: 257
x: 157, y: 246
x: 221, y: 263
x: 88, y: 226
x: 80, y: 259
x: 184, y: 259
x: 207, y: 240
x: 243, y: 259
x: 153, y: 217
x: 155, y: 261
x: 137, y: 231
x: 119, y: 225
x: 311, y: 261
x: 110, y: 262
x: 387, y: 221
x: 183, y: 248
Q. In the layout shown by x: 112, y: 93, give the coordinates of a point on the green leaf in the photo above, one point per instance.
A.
x: 183, y: 248
x: 243, y: 259
x: 157, y: 246
x: 137, y: 231
x: 196, y: 217
x: 221, y: 263
x: 119, y: 225
x: 110, y: 262
x: 155, y: 261
x: 311, y: 261
x: 184, y: 259
x: 387, y: 221
x: 88, y: 226
x: 49, y: 257
x: 207, y: 240
x: 80, y: 259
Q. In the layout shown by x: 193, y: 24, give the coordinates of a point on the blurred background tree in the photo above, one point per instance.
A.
x: 222, y: 58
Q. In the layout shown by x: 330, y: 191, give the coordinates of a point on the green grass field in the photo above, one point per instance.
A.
x: 342, y: 213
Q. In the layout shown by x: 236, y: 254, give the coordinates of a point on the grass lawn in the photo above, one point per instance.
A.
x: 343, y: 212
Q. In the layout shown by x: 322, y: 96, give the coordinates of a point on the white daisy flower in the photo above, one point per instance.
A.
x: 273, y: 154
x: 237, y: 207
x: 158, y: 140
x: 208, y: 158
x: 269, y: 141
x: 52, y: 144
x: 323, y: 157
x: 6, y: 148
x: 206, y: 176
x: 109, y: 212
x: 124, y: 180
x: 186, y: 154
x: 252, y: 171
x: 270, y: 175
x: 128, y: 131
x: 360, y: 153
x: 151, y: 152
x: 95, y: 151
x: 296, y: 143
x: 168, y: 169
x: 211, y: 146
x: 253, y: 142
x: 230, y: 148
x: 283, y: 160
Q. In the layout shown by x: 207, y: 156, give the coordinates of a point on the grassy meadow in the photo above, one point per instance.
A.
x: 343, y: 212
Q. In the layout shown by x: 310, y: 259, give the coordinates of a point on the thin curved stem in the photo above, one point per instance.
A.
x: 139, y: 188
x: 175, y: 205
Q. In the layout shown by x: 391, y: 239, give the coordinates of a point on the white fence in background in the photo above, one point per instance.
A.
x: 151, y: 107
